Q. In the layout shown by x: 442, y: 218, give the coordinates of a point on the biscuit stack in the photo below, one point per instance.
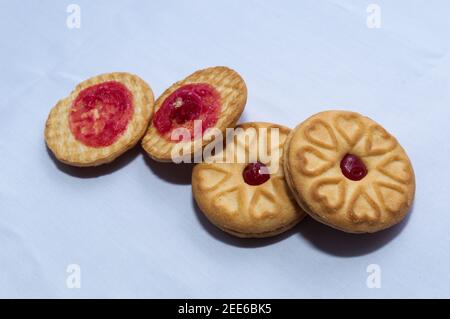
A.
x: 339, y: 167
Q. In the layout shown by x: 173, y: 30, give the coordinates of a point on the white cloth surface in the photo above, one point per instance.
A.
x: 132, y: 226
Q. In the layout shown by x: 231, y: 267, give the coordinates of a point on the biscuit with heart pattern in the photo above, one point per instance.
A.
x: 348, y: 172
x: 243, y: 198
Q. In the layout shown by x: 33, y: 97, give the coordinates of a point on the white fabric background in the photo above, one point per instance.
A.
x: 132, y: 226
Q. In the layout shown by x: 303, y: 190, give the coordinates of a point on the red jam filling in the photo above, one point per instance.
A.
x: 353, y: 167
x: 101, y: 113
x: 255, y: 174
x: 188, y: 103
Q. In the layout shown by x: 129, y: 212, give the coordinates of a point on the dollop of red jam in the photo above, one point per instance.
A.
x: 101, y: 113
x: 256, y: 174
x: 199, y: 101
x: 353, y: 167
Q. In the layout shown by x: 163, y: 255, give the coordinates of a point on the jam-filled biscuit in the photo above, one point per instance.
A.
x: 213, y: 98
x: 348, y: 172
x: 102, y: 118
x: 247, y: 196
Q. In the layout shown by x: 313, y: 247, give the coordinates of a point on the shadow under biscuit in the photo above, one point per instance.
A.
x: 342, y: 244
x: 95, y: 171
x: 180, y: 174
x: 236, y: 241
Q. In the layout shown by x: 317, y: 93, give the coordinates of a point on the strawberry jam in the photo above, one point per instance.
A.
x: 101, y: 113
x: 199, y: 101
x: 255, y: 174
x: 353, y: 167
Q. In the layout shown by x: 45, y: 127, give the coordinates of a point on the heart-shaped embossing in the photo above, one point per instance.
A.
x: 349, y: 127
x: 396, y: 167
x: 211, y: 177
x: 262, y: 205
x: 321, y: 134
x: 379, y: 141
x: 228, y: 201
x: 312, y: 162
x: 362, y: 208
x: 391, y: 196
x: 330, y: 192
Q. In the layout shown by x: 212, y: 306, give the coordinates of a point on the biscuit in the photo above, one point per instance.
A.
x: 216, y: 96
x: 102, y: 118
x: 348, y: 172
x: 238, y: 196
